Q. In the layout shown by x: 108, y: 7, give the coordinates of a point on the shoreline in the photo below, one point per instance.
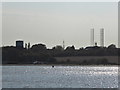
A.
x: 52, y: 65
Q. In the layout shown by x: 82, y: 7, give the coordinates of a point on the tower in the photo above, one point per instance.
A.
x: 102, y: 37
x: 92, y: 36
x: 29, y: 45
x: 63, y: 44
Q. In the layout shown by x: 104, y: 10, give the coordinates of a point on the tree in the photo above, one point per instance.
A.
x: 58, y: 48
x: 39, y: 47
x: 70, y: 48
x: 111, y: 46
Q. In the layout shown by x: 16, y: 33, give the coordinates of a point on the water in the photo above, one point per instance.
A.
x: 60, y: 77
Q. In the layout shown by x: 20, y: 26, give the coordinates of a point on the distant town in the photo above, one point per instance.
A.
x: 40, y: 54
x: 24, y: 53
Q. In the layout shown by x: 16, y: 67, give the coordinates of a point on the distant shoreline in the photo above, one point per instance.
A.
x: 53, y: 65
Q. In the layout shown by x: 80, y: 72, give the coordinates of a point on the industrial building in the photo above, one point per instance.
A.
x: 101, y: 37
x: 20, y: 44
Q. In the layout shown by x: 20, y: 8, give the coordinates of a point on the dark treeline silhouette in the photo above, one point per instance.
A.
x: 40, y: 53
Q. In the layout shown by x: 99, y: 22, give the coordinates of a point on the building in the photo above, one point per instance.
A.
x: 19, y: 44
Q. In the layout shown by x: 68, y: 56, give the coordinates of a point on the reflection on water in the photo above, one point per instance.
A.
x: 60, y: 77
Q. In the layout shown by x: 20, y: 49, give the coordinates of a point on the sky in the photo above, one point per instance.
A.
x: 50, y: 23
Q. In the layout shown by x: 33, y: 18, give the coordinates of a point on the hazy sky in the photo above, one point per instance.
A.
x: 50, y: 23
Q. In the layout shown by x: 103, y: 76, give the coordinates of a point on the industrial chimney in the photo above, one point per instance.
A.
x: 92, y: 36
x: 102, y: 37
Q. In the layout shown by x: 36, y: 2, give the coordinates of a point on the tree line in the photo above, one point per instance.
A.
x: 39, y: 52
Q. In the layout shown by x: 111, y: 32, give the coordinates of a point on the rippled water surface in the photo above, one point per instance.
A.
x: 60, y: 77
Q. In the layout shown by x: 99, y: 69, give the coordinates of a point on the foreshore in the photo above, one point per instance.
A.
x: 53, y: 65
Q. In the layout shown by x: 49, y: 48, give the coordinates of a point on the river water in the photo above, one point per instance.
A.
x: 60, y: 77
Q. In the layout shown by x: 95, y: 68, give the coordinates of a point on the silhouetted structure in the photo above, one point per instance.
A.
x: 19, y: 44
x: 25, y: 45
x: 63, y: 45
x: 29, y: 45
x: 102, y: 37
x: 92, y: 36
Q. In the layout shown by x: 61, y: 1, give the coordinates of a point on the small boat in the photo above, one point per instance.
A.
x: 53, y: 66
